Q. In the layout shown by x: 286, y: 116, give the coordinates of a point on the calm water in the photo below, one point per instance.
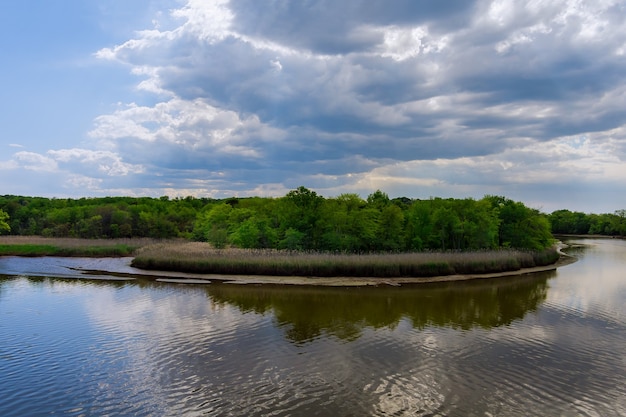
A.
x: 550, y: 344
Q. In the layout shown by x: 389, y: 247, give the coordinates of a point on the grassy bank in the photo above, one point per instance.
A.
x: 40, y: 246
x: 202, y: 258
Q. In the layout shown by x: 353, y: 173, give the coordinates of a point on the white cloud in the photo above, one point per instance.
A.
x: 35, y: 162
x: 183, y: 126
x: 447, y: 98
x: 403, y: 43
x: 208, y: 20
x: 81, y: 182
x: 106, y: 162
x: 9, y: 165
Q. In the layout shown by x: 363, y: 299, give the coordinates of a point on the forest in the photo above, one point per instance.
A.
x: 304, y: 220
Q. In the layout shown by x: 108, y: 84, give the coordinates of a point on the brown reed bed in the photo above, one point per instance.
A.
x: 196, y: 257
x: 44, y: 246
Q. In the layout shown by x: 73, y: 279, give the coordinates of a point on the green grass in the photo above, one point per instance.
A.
x: 201, y: 258
x: 40, y: 246
x: 51, y: 250
x: 27, y: 250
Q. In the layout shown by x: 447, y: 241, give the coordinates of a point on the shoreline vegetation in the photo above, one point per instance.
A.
x: 299, y: 234
x: 301, y: 220
x: 200, y: 260
x: 71, y: 247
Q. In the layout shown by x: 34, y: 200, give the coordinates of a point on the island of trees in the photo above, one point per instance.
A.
x: 302, y: 220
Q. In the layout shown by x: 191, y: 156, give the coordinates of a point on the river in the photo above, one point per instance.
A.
x: 547, y: 344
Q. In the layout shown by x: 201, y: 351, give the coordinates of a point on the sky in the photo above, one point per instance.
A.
x: 418, y: 98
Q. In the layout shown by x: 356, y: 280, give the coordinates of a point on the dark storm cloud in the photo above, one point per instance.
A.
x: 337, y: 27
x: 419, y: 97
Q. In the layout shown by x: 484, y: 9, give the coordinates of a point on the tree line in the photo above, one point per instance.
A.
x: 577, y: 223
x: 304, y: 220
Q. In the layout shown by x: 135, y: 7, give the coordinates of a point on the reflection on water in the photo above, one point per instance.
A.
x: 343, y: 313
x: 547, y: 345
x: 596, y: 285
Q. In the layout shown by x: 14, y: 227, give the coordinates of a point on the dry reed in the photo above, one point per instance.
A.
x: 202, y: 258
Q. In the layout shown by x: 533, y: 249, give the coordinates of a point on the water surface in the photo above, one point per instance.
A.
x: 550, y: 344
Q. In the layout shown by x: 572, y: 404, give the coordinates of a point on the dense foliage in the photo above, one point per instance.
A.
x: 109, y: 217
x: 568, y: 222
x: 301, y: 220
x: 4, y: 226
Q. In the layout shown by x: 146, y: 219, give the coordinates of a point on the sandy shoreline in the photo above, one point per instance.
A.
x: 359, y: 282
x: 103, y: 271
x: 116, y: 269
x: 120, y: 269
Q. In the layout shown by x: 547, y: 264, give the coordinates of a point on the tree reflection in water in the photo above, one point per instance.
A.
x: 306, y: 313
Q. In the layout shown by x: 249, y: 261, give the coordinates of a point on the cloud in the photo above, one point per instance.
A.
x: 327, y: 27
x: 104, y: 162
x: 422, y: 98
x: 34, y: 161
x: 67, y: 171
x: 188, y: 134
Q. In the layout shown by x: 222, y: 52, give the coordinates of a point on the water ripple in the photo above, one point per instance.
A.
x: 76, y: 348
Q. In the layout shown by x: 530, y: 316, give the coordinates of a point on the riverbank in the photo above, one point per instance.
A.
x: 456, y: 266
x: 123, y: 270
x: 119, y: 269
x: 198, y: 257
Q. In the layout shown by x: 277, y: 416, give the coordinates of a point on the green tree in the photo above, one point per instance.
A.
x: 90, y: 228
x: 480, y: 224
x: 378, y: 200
x: 334, y: 223
x: 621, y: 222
x: 254, y: 232
x: 390, y: 229
x: 520, y: 226
x: 567, y: 222
x: 213, y: 225
x: 4, y: 222
x: 293, y: 240
x: 419, y: 225
x: 447, y: 228
x: 304, y: 220
x: 301, y: 212
x: 347, y: 224
x: 156, y: 225
x: 121, y: 224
